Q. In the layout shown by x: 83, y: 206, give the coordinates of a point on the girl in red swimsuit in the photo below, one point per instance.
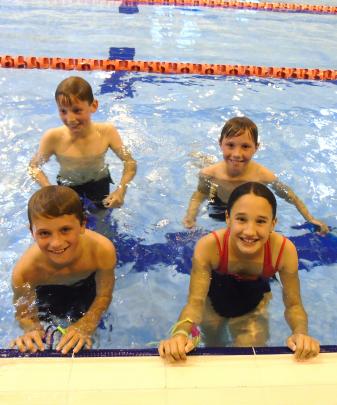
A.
x: 229, y: 280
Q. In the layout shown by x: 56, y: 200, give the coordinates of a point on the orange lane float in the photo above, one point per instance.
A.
x: 281, y: 7
x: 34, y: 62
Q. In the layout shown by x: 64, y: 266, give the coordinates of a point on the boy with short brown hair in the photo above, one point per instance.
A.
x: 68, y: 272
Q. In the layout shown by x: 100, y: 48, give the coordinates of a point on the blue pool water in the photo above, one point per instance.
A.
x: 164, y: 119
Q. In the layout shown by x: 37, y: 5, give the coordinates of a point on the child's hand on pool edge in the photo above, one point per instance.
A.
x: 74, y: 339
x: 303, y: 346
x: 175, y: 348
x: 31, y: 341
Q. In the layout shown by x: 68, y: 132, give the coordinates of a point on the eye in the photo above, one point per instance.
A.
x: 240, y: 219
x: 246, y: 146
x: 261, y: 221
x: 43, y: 234
x: 66, y: 229
x: 230, y: 145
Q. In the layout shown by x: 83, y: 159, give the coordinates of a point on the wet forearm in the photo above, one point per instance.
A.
x: 91, y: 319
x: 129, y: 172
x: 196, y: 200
x: 297, y: 320
x: 287, y: 194
x: 28, y: 321
x: 38, y: 175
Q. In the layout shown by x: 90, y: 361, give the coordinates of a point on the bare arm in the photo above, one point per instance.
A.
x: 198, y: 197
x: 303, y: 345
x: 26, y: 312
x: 176, y: 347
x: 79, y: 333
x: 285, y: 192
x: 45, y: 151
x: 116, y: 198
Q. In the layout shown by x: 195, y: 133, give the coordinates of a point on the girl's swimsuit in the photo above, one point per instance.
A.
x: 88, y: 175
x: 232, y: 295
x: 63, y: 301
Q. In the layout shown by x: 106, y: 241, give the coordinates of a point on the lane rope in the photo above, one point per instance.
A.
x: 34, y: 62
x: 263, y: 6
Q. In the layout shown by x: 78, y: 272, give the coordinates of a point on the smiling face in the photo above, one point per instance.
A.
x: 76, y: 115
x: 238, y: 151
x: 251, y: 222
x: 58, y: 238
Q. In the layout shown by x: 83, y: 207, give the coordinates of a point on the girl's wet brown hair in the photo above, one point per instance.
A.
x: 255, y: 188
x: 53, y: 202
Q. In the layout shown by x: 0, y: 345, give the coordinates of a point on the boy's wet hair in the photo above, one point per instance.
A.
x: 255, y: 188
x: 237, y: 126
x: 53, y: 202
x: 73, y: 87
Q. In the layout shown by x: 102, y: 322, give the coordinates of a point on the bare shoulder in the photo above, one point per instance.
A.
x: 101, y: 248
x: 28, y: 268
x: 107, y: 129
x: 289, y: 258
x: 207, y: 247
x: 261, y: 173
x: 110, y: 134
x: 211, y: 170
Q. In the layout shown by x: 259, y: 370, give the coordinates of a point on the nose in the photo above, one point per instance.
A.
x: 71, y: 117
x: 249, y: 228
x: 56, y: 241
x: 236, y: 152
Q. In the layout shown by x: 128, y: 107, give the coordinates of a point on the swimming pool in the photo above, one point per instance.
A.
x: 163, y: 119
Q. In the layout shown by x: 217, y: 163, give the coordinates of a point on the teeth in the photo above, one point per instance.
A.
x: 249, y: 240
x: 57, y: 252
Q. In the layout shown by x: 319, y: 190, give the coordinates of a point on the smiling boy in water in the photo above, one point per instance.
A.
x: 80, y: 146
x: 67, y: 273
x: 238, y: 143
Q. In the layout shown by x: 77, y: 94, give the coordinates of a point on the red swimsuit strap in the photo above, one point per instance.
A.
x: 223, y: 252
x: 268, y: 269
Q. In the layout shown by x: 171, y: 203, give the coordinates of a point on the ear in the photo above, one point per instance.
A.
x: 257, y: 145
x: 273, y: 224
x: 227, y: 219
x: 83, y: 225
x: 94, y: 106
x: 31, y: 231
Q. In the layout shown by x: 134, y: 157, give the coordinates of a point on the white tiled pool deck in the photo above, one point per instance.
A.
x: 232, y: 380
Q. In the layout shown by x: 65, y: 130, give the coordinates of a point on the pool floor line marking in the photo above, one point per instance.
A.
x: 162, y: 67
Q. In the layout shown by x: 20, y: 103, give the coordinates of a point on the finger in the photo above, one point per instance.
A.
x: 291, y: 344
x: 168, y: 351
x: 178, y: 350
x: 65, y: 339
x: 19, y: 344
x: 72, y: 343
x: 38, y: 341
x: 28, y: 342
x: 314, y: 349
x: 189, y: 346
x: 161, y: 349
x: 79, y: 346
